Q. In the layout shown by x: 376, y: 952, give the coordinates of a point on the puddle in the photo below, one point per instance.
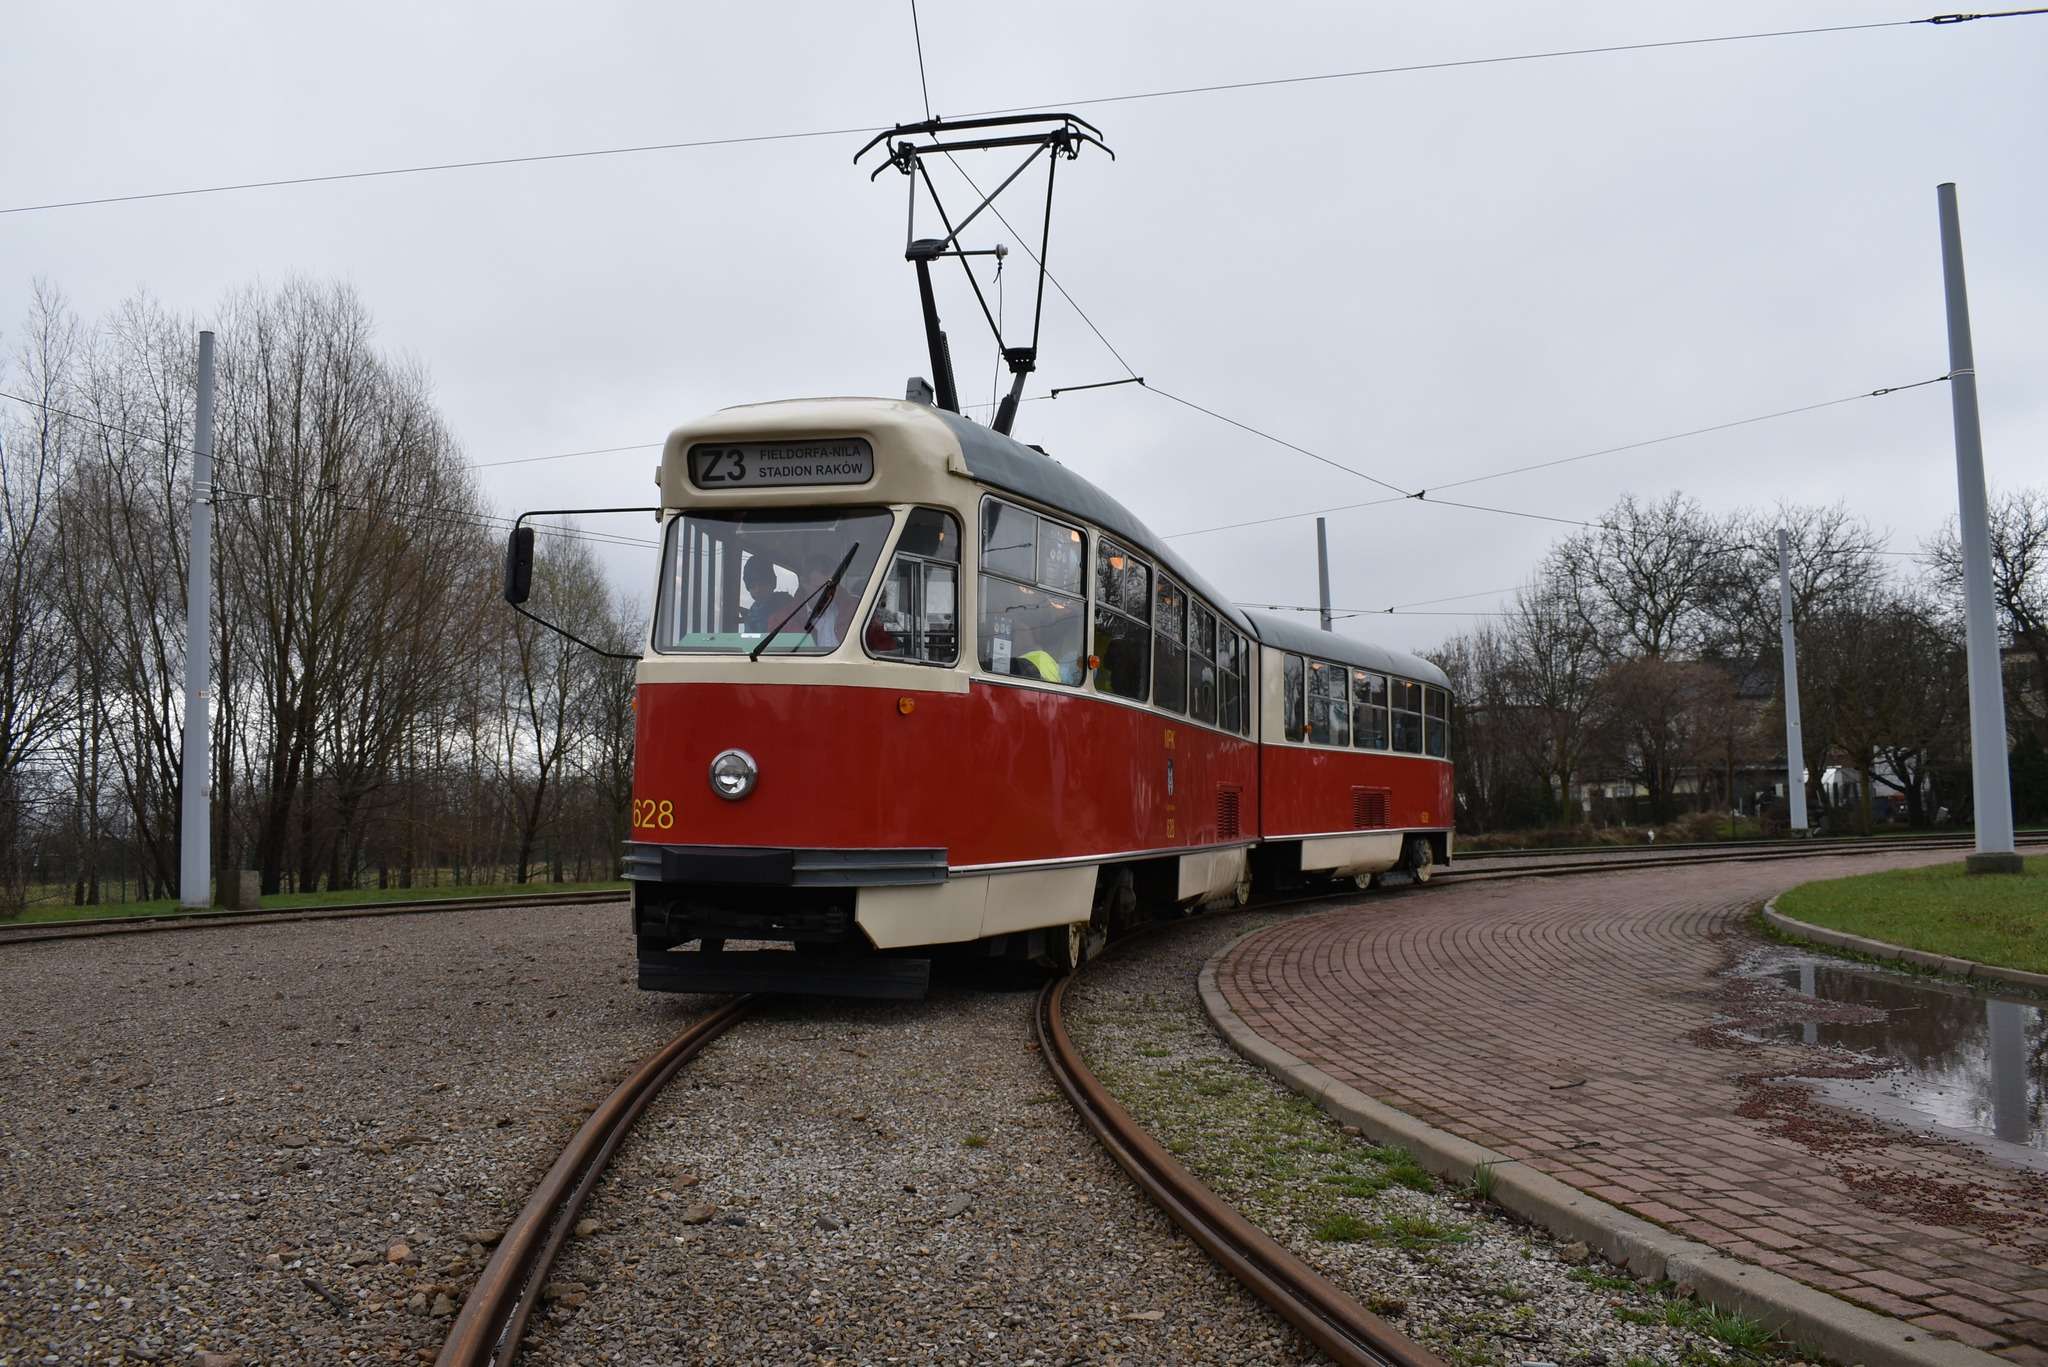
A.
x: 1949, y: 1058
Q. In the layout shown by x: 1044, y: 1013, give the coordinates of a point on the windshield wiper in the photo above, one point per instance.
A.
x: 823, y: 593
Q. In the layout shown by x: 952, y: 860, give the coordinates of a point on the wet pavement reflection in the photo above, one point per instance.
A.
x: 1958, y: 1059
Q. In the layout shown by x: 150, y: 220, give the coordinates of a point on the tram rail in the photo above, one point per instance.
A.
x: 40, y: 932
x: 1475, y: 865
x: 489, y: 1328
x: 1549, y: 864
x: 1344, y: 1330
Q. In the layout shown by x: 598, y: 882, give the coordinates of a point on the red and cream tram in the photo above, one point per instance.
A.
x: 913, y: 684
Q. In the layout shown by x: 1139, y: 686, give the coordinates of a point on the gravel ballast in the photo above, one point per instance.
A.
x: 292, y: 1143
x: 842, y: 1183
x: 296, y: 1143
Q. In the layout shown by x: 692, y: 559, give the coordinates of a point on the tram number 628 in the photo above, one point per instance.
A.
x: 647, y: 812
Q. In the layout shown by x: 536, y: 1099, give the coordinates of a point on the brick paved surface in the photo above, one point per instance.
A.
x: 1569, y: 1022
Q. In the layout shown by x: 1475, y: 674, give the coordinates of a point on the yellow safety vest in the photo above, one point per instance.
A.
x: 1047, y: 667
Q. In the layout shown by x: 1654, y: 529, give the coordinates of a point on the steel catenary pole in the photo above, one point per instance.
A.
x: 1991, y: 788
x: 1323, y: 572
x: 1795, y: 749
x: 195, y: 880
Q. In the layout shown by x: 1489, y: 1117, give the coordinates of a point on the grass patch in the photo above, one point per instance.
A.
x: 976, y: 1141
x: 1340, y: 1227
x: 1739, y: 1332
x: 1991, y: 918
x: 302, y: 901
x: 1417, y: 1231
x: 1485, y: 1178
x: 1602, y: 1281
x: 1360, y: 1184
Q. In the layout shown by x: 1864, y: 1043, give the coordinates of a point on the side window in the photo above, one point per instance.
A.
x: 1368, y: 710
x: 1009, y: 541
x: 1123, y: 622
x: 1329, y: 704
x: 913, y: 618
x: 1031, y: 628
x: 1170, y: 646
x: 1230, y: 680
x: 1407, y: 717
x: 1293, y: 714
x: 1247, y: 662
x: 1201, y: 663
x: 1061, y: 551
x: 1436, y: 728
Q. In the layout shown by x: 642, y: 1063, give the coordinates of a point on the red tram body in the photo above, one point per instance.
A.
x: 913, y: 684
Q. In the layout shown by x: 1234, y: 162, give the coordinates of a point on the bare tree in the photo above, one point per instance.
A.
x: 35, y: 650
x: 550, y: 688
x: 1646, y: 581
x: 1553, y: 656
x: 2019, y: 587
x: 1834, y: 557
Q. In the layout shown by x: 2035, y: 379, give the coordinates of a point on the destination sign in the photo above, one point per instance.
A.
x: 756, y: 464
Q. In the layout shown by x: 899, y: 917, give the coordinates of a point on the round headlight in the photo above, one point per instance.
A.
x: 733, y: 774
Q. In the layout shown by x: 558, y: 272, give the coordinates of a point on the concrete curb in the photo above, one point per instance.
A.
x: 1919, y: 958
x: 1847, y: 1333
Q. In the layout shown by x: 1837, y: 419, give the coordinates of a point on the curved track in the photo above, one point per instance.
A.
x: 1345, y: 1330
x: 1477, y: 864
x: 494, y: 1315
x: 41, y: 932
x: 1551, y: 864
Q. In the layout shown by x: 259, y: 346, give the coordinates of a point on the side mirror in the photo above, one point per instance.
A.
x: 519, y: 565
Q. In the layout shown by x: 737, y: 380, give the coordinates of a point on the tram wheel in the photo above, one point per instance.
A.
x: 1421, y: 858
x: 1066, y: 948
x: 1365, y: 882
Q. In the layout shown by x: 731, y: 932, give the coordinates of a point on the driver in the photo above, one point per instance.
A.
x: 769, y: 601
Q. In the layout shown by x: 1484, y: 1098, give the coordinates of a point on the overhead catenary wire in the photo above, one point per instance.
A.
x: 427, y: 512
x: 1679, y: 436
x: 917, y: 33
x: 1130, y: 371
x: 1375, y: 612
x: 565, y: 455
x: 1222, y: 87
x: 1281, y: 441
x: 1025, y: 246
x: 1430, y: 495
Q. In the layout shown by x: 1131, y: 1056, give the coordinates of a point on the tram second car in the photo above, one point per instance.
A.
x: 911, y: 684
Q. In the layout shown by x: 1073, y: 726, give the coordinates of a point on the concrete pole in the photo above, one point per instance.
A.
x: 1795, y: 749
x: 195, y: 847
x: 1991, y: 788
x: 1323, y: 572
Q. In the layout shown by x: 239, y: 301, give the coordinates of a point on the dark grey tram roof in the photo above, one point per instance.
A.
x: 1283, y: 632
x: 1007, y: 463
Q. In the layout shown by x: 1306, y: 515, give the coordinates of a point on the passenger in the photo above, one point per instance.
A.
x: 770, y: 602
x: 1037, y: 664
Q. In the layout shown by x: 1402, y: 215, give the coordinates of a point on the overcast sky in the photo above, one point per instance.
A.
x: 1427, y: 275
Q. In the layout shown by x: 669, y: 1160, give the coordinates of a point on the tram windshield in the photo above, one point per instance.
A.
x: 729, y: 578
